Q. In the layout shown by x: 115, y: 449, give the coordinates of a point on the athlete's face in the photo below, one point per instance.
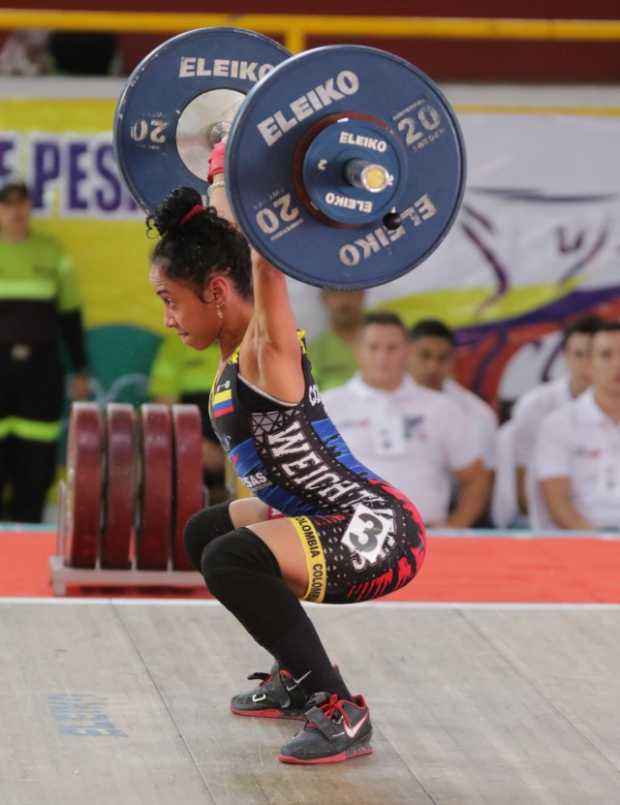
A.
x: 430, y: 361
x: 193, y: 318
x: 606, y: 362
x: 343, y: 307
x: 382, y: 355
x: 578, y: 357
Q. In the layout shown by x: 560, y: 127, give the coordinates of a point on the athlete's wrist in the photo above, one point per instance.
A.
x: 216, y: 161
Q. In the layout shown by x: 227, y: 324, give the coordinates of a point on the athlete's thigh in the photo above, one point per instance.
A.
x: 346, y: 557
x: 308, y: 548
x: 246, y: 511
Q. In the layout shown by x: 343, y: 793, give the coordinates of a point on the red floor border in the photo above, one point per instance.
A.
x: 490, y: 567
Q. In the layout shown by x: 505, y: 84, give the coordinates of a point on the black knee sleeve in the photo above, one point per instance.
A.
x: 241, y: 550
x: 203, y: 527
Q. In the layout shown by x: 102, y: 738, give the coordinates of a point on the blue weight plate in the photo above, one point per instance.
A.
x: 274, y: 129
x: 173, y: 97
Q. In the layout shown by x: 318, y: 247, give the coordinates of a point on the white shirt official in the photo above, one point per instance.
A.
x: 412, y: 437
x: 481, y: 415
x: 529, y: 412
x: 528, y: 415
x: 504, y: 503
x: 581, y: 442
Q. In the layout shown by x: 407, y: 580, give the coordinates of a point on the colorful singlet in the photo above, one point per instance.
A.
x: 290, y: 455
x: 361, y: 537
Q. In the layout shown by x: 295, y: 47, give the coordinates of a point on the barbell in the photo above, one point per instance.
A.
x: 345, y: 165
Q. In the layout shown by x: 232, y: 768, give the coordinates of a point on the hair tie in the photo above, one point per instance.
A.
x: 189, y: 215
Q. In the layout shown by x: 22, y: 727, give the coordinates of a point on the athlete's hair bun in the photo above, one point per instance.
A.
x: 195, y: 241
x: 168, y: 216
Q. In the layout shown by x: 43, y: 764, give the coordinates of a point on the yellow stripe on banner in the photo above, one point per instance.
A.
x: 33, y: 430
x: 461, y: 307
x: 499, y: 109
x: 5, y: 427
x: 222, y: 396
x: 315, y: 559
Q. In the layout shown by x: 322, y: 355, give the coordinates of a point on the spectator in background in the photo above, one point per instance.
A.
x: 332, y: 354
x: 41, y: 52
x: 38, y: 301
x: 412, y: 436
x: 84, y: 53
x: 183, y: 375
x: 25, y: 53
x: 578, y: 450
x: 531, y: 409
x: 431, y: 363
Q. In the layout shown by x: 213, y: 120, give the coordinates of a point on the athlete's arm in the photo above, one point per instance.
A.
x: 219, y: 200
x: 272, y: 352
x: 275, y: 340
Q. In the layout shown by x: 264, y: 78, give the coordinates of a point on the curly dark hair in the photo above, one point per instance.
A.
x: 202, y: 246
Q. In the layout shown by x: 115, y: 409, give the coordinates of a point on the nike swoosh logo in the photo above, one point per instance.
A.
x: 298, y: 681
x: 352, y: 731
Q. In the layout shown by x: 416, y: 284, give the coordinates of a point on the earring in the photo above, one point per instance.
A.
x: 218, y: 308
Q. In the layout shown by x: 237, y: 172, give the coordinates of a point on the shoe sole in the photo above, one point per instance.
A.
x: 274, y: 713
x: 348, y: 754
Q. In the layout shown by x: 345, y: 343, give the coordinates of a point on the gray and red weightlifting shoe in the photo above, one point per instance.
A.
x: 279, y: 695
x: 335, y: 730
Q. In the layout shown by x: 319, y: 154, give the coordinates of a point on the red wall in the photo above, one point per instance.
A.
x: 544, y: 9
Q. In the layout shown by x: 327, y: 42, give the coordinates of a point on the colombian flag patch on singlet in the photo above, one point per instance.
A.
x: 222, y: 403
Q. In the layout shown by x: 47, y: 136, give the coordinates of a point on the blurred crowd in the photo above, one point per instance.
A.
x: 389, y: 389
x: 554, y: 464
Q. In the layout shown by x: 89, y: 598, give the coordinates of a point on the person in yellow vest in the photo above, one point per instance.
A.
x: 180, y: 374
x: 39, y: 303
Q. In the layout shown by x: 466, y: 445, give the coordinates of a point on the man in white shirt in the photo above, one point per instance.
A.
x: 578, y: 450
x: 431, y: 363
x: 413, y: 437
x: 531, y: 409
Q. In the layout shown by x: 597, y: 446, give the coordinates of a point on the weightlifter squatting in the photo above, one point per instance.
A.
x: 322, y: 526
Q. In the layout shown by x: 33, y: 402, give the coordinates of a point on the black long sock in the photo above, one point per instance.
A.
x: 244, y: 575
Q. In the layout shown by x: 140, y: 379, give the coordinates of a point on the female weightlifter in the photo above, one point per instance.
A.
x: 321, y: 526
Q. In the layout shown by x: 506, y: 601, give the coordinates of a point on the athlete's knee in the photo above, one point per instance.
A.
x: 230, y: 560
x: 245, y: 511
x: 203, y: 527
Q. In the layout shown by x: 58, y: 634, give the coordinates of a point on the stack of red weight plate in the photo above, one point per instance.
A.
x: 134, y: 478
